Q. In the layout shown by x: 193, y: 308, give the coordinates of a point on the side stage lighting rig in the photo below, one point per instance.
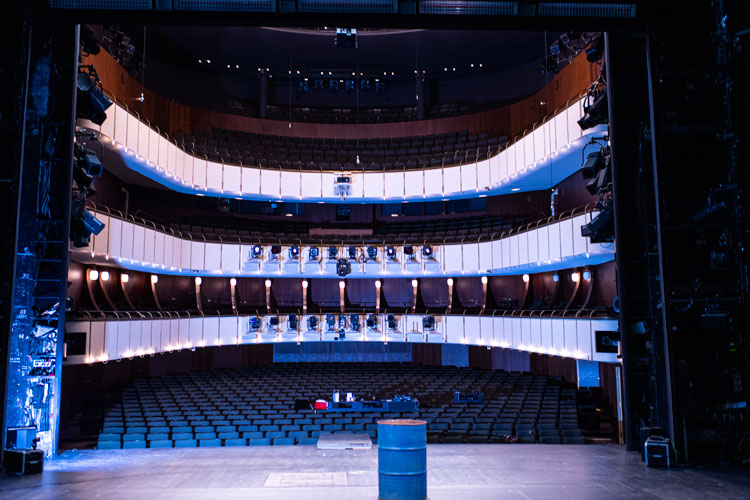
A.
x: 294, y: 252
x: 91, y: 101
x: 313, y: 253
x: 256, y: 252
x: 390, y: 253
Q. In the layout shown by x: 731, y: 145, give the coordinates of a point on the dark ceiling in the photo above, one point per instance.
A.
x: 477, y: 66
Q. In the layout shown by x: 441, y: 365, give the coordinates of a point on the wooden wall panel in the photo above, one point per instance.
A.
x: 511, y: 120
x: 427, y: 354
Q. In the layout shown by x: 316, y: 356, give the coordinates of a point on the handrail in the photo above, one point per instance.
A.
x: 565, y: 215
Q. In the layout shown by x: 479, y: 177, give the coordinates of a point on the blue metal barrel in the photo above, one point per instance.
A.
x: 402, y: 459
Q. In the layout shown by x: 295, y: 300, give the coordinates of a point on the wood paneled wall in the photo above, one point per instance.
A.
x: 510, y: 120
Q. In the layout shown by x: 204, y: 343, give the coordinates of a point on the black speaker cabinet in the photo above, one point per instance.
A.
x: 24, y: 461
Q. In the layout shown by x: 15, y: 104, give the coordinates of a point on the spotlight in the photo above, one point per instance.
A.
x: 256, y: 252
x: 304, y: 284
x: 94, y: 275
x: 594, y: 162
x: 372, y: 253
x: 332, y: 253
x: 587, y: 275
x: 275, y: 249
x: 484, y: 280
x: 273, y: 322
x: 526, y: 278
x: 233, y: 281
x: 595, y: 52
x: 602, y: 228
x: 312, y: 322
x: 198, y: 280
x: 313, y: 253
x: 342, y: 284
x: 104, y: 275
x: 575, y: 277
x: 91, y: 102
x: 390, y: 253
x: 391, y: 320
x: 372, y: 322
x: 268, y: 283
x: 292, y: 321
x: 303, y: 86
x: 82, y: 225
x: 449, y: 281
x: 352, y: 251
x: 378, y: 284
x: 555, y: 277
x: 414, y: 283
x: 254, y: 323
x: 428, y: 323
x: 427, y: 251
x: 124, y: 277
x: 354, y: 322
x: 343, y: 267
x: 154, y: 279
x: 596, y: 112
x: 409, y: 251
x: 294, y: 252
x: 330, y: 322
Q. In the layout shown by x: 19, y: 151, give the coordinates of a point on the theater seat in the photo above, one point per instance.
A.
x: 162, y: 443
x: 283, y: 441
x: 235, y: 442
x: 259, y: 442
x: 308, y: 441
x: 133, y: 444
x: 111, y: 445
x: 574, y: 440
x: 209, y: 442
x: 186, y: 443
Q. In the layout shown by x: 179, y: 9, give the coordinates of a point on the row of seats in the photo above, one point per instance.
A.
x: 252, y: 406
x: 297, y: 153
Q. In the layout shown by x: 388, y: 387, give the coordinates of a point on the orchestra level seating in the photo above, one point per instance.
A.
x: 256, y: 406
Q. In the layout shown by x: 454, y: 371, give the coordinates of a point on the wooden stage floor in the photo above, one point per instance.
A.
x: 455, y: 472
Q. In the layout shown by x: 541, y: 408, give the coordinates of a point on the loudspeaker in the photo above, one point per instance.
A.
x: 24, y: 461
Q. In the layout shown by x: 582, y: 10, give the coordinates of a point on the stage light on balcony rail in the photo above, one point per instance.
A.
x: 484, y: 280
x: 268, y: 283
x: 332, y: 253
x: 390, y: 253
x: 575, y: 277
x: 526, y: 278
x: 293, y: 252
x: 256, y: 252
x: 372, y: 253
x: 94, y: 274
x: 352, y: 251
x: 198, y: 280
x: 427, y: 251
x: 313, y: 253
x: 154, y: 279
x: 587, y: 275
x: 124, y: 277
x: 104, y: 275
x: 233, y: 281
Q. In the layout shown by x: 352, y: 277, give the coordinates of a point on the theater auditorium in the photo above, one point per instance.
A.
x: 374, y: 249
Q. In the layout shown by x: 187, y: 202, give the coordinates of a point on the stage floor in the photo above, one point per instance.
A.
x: 455, y: 472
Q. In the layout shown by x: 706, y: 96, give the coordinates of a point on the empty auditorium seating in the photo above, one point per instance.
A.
x: 255, y: 406
x: 299, y: 153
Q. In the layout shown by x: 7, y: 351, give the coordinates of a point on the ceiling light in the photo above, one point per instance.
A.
x: 342, y: 284
x: 154, y: 279
x: 575, y: 277
x: 94, y: 274
x: 515, y: 189
x: 414, y: 283
x: 526, y: 278
x: 268, y: 283
x: 484, y: 280
x: 377, y: 284
x: 124, y: 278
x: 198, y: 280
x: 105, y: 275
x: 304, y: 284
x: 449, y: 281
x: 233, y: 281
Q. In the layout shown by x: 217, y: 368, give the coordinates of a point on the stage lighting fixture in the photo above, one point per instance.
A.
x: 595, y: 52
x: 352, y: 251
x: 333, y: 85
x: 555, y: 277
x: 332, y: 253
x: 91, y: 103
x: 275, y: 249
x: 428, y: 323
x: 372, y: 253
x: 94, y: 275
x: 526, y: 278
x: 575, y: 277
x: 312, y: 323
x: 273, y: 322
x: 330, y: 322
x: 292, y: 321
x: 268, y: 283
x: 294, y: 252
x: 342, y: 323
x: 380, y: 88
x: 256, y: 252
x: 390, y: 253
x: 82, y: 225
x: 600, y: 182
x: 484, y: 280
x: 318, y: 85
x: 346, y: 38
x: 587, y: 275
x: 364, y: 85
x: 343, y: 267
x: 409, y: 251
x: 233, y: 282
x: 391, y: 320
x: 427, y: 251
x: 372, y: 322
x: 594, y: 162
x: 602, y: 228
x: 105, y: 275
x: 198, y: 280
x: 354, y: 322
x: 350, y: 85
x: 154, y: 279
x: 124, y: 277
x: 313, y: 253
x: 254, y: 323
x: 303, y: 86
x: 594, y: 113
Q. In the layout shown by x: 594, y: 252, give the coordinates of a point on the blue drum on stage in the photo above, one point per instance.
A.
x: 402, y: 459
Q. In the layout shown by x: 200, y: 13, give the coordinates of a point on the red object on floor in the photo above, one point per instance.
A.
x: 321, y: 404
